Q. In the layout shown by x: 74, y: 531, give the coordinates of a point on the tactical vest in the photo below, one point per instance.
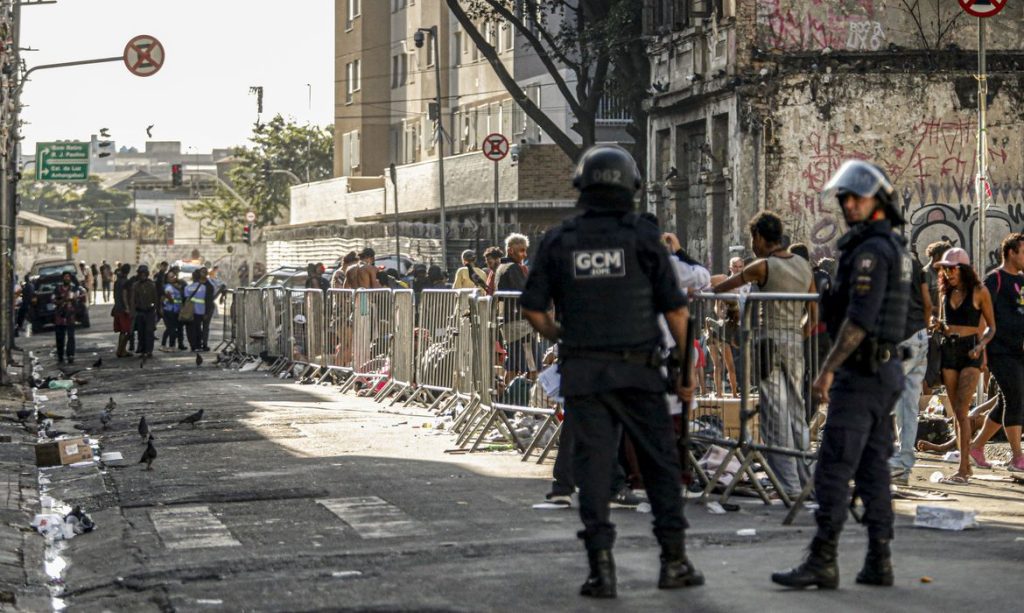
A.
x: 893, y: 314
x: 608, y: 300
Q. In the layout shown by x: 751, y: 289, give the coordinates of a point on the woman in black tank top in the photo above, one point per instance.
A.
x: 965, y: 306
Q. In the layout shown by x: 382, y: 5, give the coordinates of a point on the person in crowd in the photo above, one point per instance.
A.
x: 95, y: 298
x: 338, y: 277
x: 196, y: 292
x: 85, y: 280
x: 511, y: 277
x: 418, y: 277
x: 436, y: 278
x: 735, y: 265
x: 65, y: 313
x: 107, y: 278
x: 243, y: 274
x: 28, y: 295
x: 606, y: 391
x: 914, y: 354
x: 1006, y: 353
x: 779, y: 361
x: 144, y: 301
x: 492, y: 258
x: 315, y: 277
x: 209, y: 308
x: 364, y: 274
x: 172, y: 299
x: 159, y: 281
x: 860, y: 379
x: 933, y: 374
x: 965, y: 303
x: 391, y: 279
x: 123, y: 320
x: 470, y: 276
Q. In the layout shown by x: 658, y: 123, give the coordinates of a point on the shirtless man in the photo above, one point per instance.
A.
x: 364, y: 274
x: 338, y: 278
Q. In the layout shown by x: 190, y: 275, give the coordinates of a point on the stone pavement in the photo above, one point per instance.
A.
x: 292, y: 497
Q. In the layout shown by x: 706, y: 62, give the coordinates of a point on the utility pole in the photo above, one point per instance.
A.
x: 981, y: 181
x: 418, y: 39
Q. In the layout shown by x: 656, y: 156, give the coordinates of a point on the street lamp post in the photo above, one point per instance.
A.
x: 418, y: 38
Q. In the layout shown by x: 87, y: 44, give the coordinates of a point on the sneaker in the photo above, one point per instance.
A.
x: 562, y: 500
x: 625, y: 499
x: 1016, y: 466
x: 978, y: 458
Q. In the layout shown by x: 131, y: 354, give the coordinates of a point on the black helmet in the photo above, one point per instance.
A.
x: 607, y: 166
x: 865, y: 179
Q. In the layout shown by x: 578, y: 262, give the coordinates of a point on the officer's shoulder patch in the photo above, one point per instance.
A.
x: 599, y: 263
x: 865, y: 262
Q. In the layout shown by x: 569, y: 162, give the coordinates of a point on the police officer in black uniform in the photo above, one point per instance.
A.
x: 861, y: 378
x: 609, y: 278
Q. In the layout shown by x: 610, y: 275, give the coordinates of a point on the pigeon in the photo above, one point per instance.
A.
x: 149, y: 454
x: 193, y: 418
x: 143, y: 428
x: 24, y: 414
x: 111, y: 405
x: 149, y: 130
x: 105, y: 418
x: 199, y: 359
x: 98, y: 363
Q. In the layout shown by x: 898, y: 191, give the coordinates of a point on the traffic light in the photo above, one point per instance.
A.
x: 176, y: 175
x: 247, y: 234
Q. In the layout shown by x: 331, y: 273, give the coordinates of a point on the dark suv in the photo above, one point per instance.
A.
x: 47, y: 278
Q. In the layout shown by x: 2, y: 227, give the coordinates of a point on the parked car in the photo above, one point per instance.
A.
x: 290, y: 277
x: 185, y: 270
x: 43, y: 306
x: 403, y: 264
x: 53, y: 266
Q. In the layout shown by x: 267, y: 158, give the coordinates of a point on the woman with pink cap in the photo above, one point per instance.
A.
x: 964, y: 303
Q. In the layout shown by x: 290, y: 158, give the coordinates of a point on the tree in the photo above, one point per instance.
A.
x: 598, y: 41
x: 88, y: 206
x: 279, y: 145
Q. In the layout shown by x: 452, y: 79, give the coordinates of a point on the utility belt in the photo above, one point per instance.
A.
x: 872, y: 353
x: 651, y: 358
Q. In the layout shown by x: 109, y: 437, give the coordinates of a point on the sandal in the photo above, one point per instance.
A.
x: 955, y: 480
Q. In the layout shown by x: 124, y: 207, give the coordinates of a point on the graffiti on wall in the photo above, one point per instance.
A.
x: 933, y: 169
x: 816, y: 24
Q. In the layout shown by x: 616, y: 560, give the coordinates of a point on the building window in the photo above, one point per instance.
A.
x: 429, y: 47
x: 352, y: 74
x: 411, y: 61
x: 354, y: 9
x: 397, y: 5
x: 350, y: 151
x: 399, y: 70
x: 457, y: 49
x: 507, y: 36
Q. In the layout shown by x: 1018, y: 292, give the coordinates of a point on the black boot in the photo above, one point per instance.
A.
x: 877, y: 564
x: 820, y: 568
x: 601, y: 582
x: 676, y: 570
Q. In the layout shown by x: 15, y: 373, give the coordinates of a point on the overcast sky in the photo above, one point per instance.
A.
x: 215, y: 50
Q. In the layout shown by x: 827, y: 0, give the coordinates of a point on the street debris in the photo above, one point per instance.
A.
x: 926, y: 579
x: 63, y: 527
x: 945, y: 518
x: 746, y: 532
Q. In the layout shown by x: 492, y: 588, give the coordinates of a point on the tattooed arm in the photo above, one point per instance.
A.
x: 848, y: 339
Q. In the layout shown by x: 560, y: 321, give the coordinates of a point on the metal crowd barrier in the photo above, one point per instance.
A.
x: 765, y: 423
x: 403, y: 362
x: 227, y: 322
x: 339, y: 330
x: 373, y: 335
x: 436, y: 345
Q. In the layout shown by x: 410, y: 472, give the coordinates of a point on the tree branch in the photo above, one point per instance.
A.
x: 508, y: 81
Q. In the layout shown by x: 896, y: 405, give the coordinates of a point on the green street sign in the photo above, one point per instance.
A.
x: 62, y: 161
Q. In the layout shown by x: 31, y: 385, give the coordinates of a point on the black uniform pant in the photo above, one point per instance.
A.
x: 596, y: 422
x: 194, y: 330
x: 857, y: 444
x: 65, y: 340
x: 565, y: 483
x: 205, y: 331
x: 145, y: 323
x: 173, y: 330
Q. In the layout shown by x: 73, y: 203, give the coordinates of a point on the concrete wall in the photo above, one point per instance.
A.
x: 25, y: 255
x: 333, y: 200
x: 922, y: 131
x: 873, y: 25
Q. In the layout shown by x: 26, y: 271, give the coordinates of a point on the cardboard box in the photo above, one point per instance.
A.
x: 728, y: 410
x: 63, y: 452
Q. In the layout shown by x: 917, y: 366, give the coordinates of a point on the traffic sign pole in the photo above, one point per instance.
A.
x: 496, y: 203
x: 495, y: 148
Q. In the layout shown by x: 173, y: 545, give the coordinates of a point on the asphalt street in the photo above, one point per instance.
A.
x: 291, y: 497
